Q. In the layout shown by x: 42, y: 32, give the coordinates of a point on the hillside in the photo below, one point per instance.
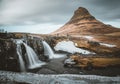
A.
x: 82, y: 22
x: 85, y: 30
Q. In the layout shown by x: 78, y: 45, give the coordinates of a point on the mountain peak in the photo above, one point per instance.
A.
x: 82, y: 13
x: 82, y: 22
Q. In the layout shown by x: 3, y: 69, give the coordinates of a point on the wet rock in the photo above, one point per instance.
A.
x: 44, y: 58
x: 37, y: 46
x: 69, y: 62
x: 8, y: 55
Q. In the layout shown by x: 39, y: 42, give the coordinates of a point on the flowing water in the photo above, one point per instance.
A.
x: 31, y: 57
x: 30, y: 78
x: 19, y: 52
x: 49, y: 52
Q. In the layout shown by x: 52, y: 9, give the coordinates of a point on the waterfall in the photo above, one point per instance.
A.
x: 19, y: 52
x: 49, y: 52
x: 31, y: 57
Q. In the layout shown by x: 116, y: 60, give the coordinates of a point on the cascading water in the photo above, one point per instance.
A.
x: 49, y: 52
x: 33, y: 61
x: 31, y: 57
x: 19, y: 52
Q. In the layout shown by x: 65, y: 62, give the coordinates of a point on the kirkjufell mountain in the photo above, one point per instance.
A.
x: 82, y: 22
x: 84, y: 28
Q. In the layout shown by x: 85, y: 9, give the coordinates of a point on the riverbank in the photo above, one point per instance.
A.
x: 56, y: 66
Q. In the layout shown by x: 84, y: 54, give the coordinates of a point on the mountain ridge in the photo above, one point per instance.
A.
x: 82, y: 22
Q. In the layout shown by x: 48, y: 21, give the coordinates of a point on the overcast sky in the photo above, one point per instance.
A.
x: 45, y: 16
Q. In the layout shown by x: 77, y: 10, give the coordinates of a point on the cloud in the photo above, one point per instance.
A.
x: 20, y: 11
x: 55, y: 12
x: 104, y: 10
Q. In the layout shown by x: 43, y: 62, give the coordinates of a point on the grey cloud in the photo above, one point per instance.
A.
x: 17, y: 11
x: 104, y: 9
x: 55, y: 11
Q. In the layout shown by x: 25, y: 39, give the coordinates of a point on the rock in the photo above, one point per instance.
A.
x: 36, y: 45
x: 8, y: 55
x: 69, y: 62
x: 7, y: 35
x: 80, y: 14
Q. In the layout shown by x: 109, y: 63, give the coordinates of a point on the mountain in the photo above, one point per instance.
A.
x: 89, y: 33
x: 82, y: 22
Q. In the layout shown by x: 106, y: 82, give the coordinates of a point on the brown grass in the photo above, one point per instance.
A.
x: 96, y: 61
